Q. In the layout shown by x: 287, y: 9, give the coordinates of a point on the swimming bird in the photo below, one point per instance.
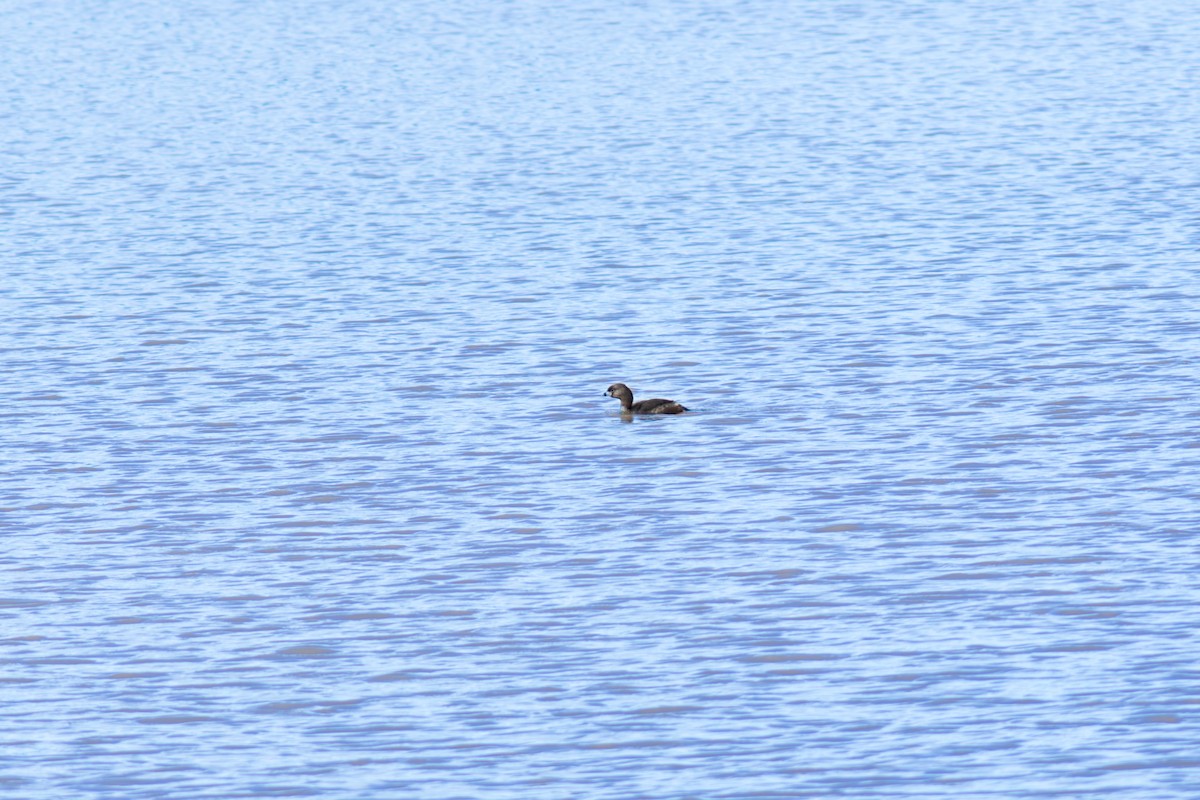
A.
x: 655, y: 406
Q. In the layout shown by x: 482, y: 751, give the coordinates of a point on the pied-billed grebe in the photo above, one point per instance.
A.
x: 655, y: 406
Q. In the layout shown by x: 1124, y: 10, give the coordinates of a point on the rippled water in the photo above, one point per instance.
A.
x: 309, y: 487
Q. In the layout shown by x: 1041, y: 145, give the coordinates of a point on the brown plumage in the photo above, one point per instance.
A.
x: 655, y: 406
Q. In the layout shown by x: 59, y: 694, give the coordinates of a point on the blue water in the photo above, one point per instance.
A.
x: 308, y: 484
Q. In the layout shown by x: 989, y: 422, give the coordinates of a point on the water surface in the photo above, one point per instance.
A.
x: 309, y: 487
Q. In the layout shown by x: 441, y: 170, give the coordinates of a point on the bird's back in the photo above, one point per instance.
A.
x: 657, y: 406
